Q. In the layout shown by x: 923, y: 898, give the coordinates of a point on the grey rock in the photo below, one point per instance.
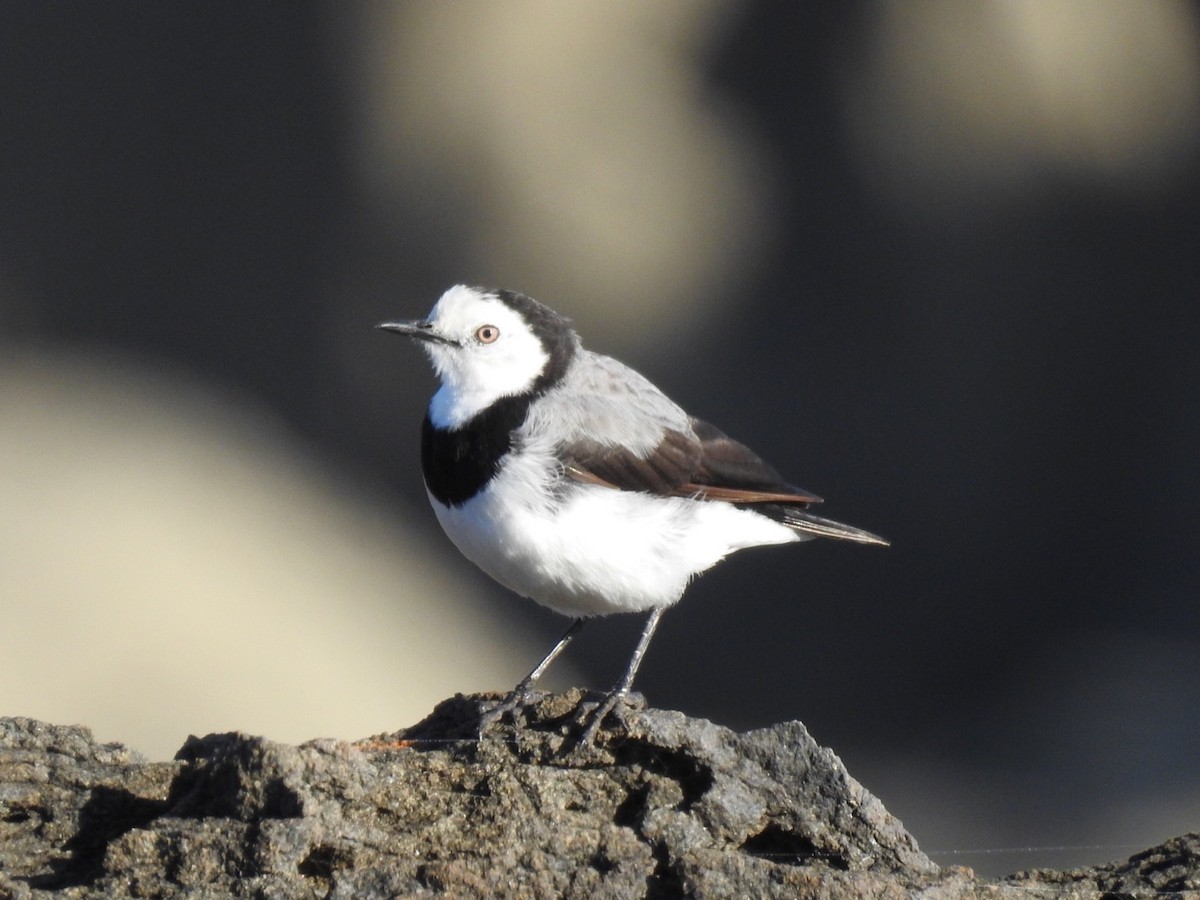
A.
x: 1171, y: 869
x: 662, y: 806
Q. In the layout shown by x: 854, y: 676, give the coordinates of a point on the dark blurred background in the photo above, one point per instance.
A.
x: 938, y: 262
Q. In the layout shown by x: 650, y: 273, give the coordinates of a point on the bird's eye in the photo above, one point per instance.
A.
x: 487, y: 334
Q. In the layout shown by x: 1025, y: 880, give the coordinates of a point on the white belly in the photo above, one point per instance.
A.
x: 591, y: 550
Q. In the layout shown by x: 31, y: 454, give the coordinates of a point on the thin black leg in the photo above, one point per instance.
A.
x: 622, y: 687
x: 518, y: 695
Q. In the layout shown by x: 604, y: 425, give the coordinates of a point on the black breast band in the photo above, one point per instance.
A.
x: 457, y: 463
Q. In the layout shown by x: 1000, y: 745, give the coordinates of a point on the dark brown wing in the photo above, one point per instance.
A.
x: 709, y: 465
x: 706, y: 463
x: 732, y: 471
x: 664, y: 470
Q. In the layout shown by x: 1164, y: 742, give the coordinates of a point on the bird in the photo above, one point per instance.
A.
x: 572, y: 480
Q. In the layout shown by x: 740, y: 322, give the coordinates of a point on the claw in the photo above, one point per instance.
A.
x: 600, y: 714
x: 519, y: 696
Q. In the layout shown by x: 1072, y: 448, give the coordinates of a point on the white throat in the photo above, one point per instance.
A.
x: 452, y: 408
x: 474, y: 374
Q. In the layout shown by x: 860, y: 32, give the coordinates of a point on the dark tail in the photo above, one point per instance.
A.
x: 804, y: 521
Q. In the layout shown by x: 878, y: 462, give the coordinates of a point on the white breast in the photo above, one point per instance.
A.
x: 585, y: 550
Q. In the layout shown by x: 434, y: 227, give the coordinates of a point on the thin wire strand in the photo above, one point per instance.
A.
x: 1061, y: 848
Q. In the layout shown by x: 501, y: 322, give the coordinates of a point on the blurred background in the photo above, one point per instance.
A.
x: 938, y: 262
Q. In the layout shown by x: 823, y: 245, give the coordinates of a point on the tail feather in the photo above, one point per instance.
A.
x: 804, y: 521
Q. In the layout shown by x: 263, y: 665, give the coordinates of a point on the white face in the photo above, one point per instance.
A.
x: 493, y: 354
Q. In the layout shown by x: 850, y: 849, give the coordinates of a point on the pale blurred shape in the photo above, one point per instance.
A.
x: 577, y: 145
x: 971, y: 99
x: 169, y: 565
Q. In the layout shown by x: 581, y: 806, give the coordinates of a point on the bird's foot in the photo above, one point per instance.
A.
x: 619, y: 696
x: 518, y: 696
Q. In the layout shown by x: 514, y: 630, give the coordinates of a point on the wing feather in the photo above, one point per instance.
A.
x: 613, y: 428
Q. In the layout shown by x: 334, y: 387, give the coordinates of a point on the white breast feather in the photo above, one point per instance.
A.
x: 588, y: 550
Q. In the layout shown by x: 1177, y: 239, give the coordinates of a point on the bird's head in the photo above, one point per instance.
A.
x: 487, y: 344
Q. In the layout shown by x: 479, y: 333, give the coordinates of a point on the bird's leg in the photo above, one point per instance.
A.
x: 518, y: 695
x: 617, y: 694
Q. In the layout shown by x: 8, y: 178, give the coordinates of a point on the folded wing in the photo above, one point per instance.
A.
x: 623, y: 433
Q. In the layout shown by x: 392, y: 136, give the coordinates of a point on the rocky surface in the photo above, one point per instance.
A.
x: 662, y: 806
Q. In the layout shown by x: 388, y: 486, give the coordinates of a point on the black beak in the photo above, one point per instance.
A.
x: 419, y: 330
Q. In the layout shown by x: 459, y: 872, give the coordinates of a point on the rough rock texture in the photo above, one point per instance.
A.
x: 663, y: 806
x: 1171, y: 869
